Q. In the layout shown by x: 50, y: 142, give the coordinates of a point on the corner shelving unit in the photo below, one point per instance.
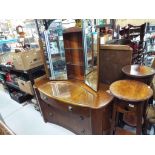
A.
x: 74, y: 52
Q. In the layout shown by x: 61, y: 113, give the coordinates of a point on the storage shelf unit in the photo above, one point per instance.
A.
x: 30, y: 75
x: 74, y: 53
x: 11, y: 84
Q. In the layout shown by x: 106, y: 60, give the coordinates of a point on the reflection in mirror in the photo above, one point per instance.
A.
x: 90, y: 52
x: 55, y: 51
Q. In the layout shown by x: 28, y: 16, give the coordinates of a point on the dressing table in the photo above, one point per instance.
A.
x: 74, y: 95
x: 75, y: 106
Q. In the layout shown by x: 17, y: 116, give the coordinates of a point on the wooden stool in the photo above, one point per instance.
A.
x: 139, y: 73
x: 130, y: 96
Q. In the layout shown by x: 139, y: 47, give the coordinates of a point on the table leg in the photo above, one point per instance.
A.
x: 145, y: 125
x: 113, y: 118
x: 139, y: 118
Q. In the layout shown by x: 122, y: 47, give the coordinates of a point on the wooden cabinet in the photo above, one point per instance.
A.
x: 112, y: 58
x: 71, y: 117
x: 79, y: 114
x: 80, y: 120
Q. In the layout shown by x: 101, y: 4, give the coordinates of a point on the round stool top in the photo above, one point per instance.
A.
x: 138, y: 71
x: 131, y: 90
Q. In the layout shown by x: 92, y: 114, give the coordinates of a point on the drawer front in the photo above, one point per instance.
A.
x: 65, y: 106
x: 79, y: 123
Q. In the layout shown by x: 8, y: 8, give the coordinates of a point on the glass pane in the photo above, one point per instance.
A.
x: 90, y: 51
x: 56, y: 53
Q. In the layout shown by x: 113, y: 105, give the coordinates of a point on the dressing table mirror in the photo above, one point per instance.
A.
x: 75, y: 104
x: 56, y: 60
x: 90, y: 37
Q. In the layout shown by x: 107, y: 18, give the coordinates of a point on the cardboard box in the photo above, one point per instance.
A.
x: 6, y: 57
x: 25, y: 86
x: 27, y: 60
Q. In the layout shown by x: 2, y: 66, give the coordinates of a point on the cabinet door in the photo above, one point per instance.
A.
x: 55, y: 51
x: 90, y: 36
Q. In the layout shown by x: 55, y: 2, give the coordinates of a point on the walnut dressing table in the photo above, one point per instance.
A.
x: 75, y: 106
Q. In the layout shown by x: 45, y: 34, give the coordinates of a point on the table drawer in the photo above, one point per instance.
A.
x: 77, y: 123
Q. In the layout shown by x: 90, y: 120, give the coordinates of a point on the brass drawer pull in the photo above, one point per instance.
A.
x: 70, y: 108
x: 81, y: 117
x: 51, y: 114
x: 45, y: 98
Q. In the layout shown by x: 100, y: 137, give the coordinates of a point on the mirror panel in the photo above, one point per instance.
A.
x: 90, y: 36
x: 55, y: 51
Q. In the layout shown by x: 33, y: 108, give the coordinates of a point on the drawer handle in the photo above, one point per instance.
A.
x: 51, y: 114
x: 83, y: 131
x: 45, y: 98
x: 70, y: 108
x: 81, y: 117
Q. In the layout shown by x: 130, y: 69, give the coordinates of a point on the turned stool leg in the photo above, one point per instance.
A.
x: 113, y: 119
x: 146, y: 123
x: 139, y: 118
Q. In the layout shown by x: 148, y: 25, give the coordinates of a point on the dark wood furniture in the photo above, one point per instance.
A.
x: 139, y: 72
x: 75, y: 106
x: 131, y: 32
x: 111, y: 60
x: 130, y: 96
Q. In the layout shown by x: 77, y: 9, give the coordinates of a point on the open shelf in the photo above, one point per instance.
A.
x: 11, y: 84
x: 20, y: 71
x: 69, y: 63
x: 22, y: 98
x: 72, y: 49
x: 74, y: 53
